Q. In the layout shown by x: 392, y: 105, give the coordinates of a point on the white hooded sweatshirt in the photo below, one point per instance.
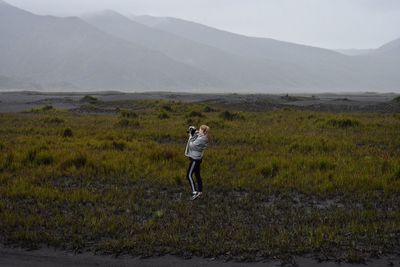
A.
x: 196, y: 145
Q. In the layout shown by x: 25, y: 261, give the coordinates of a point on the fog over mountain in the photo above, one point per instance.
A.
x: 359, y: 24
x: 376, y: 70
x: 354, y: 52
x: 68, y: 53
x: 109, y: 51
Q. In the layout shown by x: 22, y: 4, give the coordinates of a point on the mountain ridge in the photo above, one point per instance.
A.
x: 109, y: 51
x: 64, y: 50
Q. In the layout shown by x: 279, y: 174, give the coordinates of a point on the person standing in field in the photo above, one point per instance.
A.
x: 198, y: 141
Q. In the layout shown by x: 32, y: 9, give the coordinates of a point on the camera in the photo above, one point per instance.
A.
x: 191, y: 130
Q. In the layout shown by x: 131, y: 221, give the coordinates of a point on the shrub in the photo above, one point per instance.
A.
x: 342, y: 123
x: 322, y: 165
x: 123, y: 123
x: 301, y: 147
x: 44, y: 159
x: 31, y: 155
x: 163, y: 116
x: 67, y: 132
x: 128, y: 114
x: 397, y: 99
x: 8, y: 161
x: 270, y: 171
x: 89, y: 99
x: 312, y: 116
x: 288, y: 97
x: 42, y: 109
x: 159, y: 213
x: 178, y: 180
x: 226, y: 115
x: 127, y: 123
x: 163, y: 138
x: 191, y: 121
x: 167, y: 107
x: 195, y: 114
x: 163, y: 154
x: 396, y: 174
x: 385, y: 166
x: 54, y: 120
x: 78, y: 161
x: 47, y: 108
x: 216, y: 123
x: 118, y: 145
x: 209, y: 109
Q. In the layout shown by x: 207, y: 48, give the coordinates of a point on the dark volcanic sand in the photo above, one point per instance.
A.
x: 16, y: 257
x: 18, y: 101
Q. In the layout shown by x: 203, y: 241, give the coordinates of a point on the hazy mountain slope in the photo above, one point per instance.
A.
x: 57, y: 51
x: 239, y: 44
x: 355, y: 52
x: 171, y: 54
x: 15, y: 83
x: 384, y: 64
x: 235, y: 71
x: 125, y: 28
x: 328, y: 69
x: 393, y: 46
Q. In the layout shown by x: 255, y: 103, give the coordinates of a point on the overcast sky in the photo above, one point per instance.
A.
x: 324, y: 23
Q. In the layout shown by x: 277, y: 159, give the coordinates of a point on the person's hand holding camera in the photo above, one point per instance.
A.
x: 191, y: 130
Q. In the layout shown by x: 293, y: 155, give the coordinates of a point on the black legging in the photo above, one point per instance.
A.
x: 194, y: 167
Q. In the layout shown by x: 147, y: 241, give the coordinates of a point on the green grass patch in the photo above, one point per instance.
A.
x: 285, y: 182
x: 42, y: 109
x: 68, y: 132
x: 89, y: 99
x: 342, y: 123
x: 227, y: 115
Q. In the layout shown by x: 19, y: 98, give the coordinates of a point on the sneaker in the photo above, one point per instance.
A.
x: 196, y: 195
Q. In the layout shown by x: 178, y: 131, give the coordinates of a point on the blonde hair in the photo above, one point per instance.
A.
x: 205, y: 129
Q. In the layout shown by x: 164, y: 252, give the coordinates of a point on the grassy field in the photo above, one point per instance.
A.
x: 276, y: 184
